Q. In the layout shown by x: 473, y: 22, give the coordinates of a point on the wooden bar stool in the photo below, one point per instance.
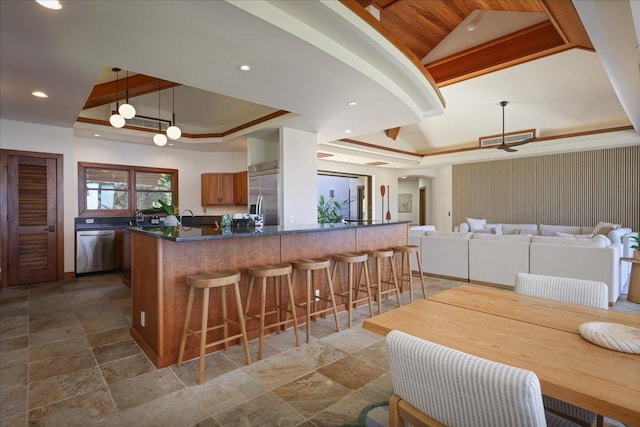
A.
x: 275, y: 271
x: 353, y: 285
x: 391, y: 282
x: 207, y: 281
x: 309, y: 266
x: 406, y: 251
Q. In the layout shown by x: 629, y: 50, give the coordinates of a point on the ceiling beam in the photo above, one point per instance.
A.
x: 531, y: 43
x: 139, y: 84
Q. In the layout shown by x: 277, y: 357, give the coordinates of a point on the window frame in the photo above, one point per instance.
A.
x: 131, y: 173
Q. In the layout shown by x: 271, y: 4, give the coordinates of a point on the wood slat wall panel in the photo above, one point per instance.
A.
x: 570, y: 189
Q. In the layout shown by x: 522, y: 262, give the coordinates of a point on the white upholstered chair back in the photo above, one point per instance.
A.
x: 575, y: 291
x: 458, y: 389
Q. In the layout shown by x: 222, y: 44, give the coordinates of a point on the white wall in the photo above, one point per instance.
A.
x: 299, y: 176
x: 190, y: 164
x: 442, y: 198
x: 410, y: 186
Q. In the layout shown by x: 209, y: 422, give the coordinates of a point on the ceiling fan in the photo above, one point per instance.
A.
x: 503, y: 145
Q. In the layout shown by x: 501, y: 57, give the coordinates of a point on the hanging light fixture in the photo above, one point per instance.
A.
x: 116, y: 120
x: 159, y: 138
x: 127, y: 110
x: 173, y: 131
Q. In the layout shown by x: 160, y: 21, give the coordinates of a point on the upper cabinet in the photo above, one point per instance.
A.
x: 240, y: 188
x: 217, y: 189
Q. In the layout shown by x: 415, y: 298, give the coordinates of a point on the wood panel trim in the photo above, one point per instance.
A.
x: 222, y: 134
x: 139, y: 84
x: 538, y: 139
x: 356, y: 8
x: 378, y: 147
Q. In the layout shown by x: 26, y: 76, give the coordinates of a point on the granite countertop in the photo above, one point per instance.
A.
x: 208, y: 232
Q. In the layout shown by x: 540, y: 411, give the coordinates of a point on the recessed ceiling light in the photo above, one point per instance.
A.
x: 352, y: 103
x: 96, y: 134
x: 347, y: 131
x: 245, y: 67
x: 50, y: 4
x: 39, y: 94
x: 171, y: 144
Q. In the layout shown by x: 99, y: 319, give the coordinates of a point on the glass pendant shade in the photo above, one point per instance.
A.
x: 127, y: 111
x: 174, y: 132
x: 116, y: 120
x: 159, y: 139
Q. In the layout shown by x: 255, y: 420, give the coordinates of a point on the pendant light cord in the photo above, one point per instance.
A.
x: 159, y: 123
x: 173, y: 105
x: 117, y: 89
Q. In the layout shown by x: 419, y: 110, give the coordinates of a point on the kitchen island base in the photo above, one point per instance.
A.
x: 159, y: 267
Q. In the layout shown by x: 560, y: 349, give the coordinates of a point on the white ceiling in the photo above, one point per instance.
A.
x: 309, y: 58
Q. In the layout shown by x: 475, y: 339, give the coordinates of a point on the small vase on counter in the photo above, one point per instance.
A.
x: 171, y: 220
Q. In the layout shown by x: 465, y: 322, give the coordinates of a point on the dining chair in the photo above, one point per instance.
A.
x: 437, y: 386
x: 574, y: 291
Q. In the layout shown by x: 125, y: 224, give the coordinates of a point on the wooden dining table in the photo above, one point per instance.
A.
x: 537, y: 334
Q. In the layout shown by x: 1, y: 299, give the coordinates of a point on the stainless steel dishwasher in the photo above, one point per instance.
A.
x: 95, y: 251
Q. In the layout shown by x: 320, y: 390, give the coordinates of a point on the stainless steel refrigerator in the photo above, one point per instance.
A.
x: 263, y: 191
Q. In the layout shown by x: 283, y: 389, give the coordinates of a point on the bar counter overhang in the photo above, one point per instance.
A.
x: 162, y: 258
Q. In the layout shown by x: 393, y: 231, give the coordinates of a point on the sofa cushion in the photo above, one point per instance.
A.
x: 476, y: 224
x: 503, y: 237
x: 548, y: 230
x: 598, y: 241
x: 605, y: 227
x: 576, y: 236
x: 449, y: 234
x: 483, y: 231
x: 518, y: 228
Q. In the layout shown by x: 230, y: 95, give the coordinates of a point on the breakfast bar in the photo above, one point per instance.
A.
x: 162, y: 258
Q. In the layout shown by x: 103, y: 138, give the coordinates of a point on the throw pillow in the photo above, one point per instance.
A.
x: 605, y: 228
x: 495, y: 228
x: 476, y: 224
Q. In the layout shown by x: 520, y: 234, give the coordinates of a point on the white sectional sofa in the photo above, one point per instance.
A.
x: 444, y: 253
x: 527, y: 248
x: 497, y: 259
x: 588, y: 259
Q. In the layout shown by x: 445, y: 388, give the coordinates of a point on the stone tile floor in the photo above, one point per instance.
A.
x: 67, y: 358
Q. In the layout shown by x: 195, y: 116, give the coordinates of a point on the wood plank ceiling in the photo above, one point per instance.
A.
x: 420, y: 25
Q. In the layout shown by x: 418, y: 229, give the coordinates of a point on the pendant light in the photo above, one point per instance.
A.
x: 127, y: 110
x: 159, y: 138
x: 173, y: 131
x: 116, y: 120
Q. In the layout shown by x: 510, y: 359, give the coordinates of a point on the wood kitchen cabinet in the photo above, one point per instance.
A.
x: 217, y: 189
x: 240, y: 188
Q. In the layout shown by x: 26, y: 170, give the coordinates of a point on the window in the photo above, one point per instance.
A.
x: 111, y: 190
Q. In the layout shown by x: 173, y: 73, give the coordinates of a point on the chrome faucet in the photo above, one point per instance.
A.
x: 186, y: 210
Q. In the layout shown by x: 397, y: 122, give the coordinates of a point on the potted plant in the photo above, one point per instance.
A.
x: 636, y: 246
x: 171, y: 212
x: 329, y: 210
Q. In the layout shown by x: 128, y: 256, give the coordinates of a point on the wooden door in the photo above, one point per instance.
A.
x: 34, y: 247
